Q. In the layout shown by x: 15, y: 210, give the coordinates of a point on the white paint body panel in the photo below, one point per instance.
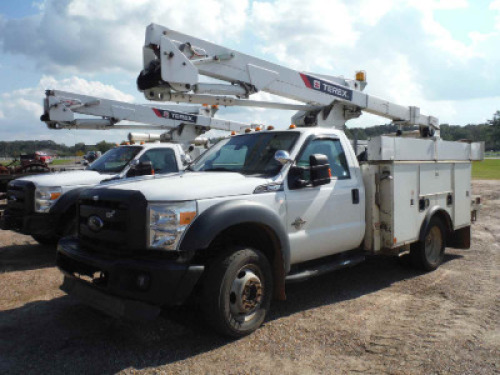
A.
x: 397, y: 218
x: 412, y: 149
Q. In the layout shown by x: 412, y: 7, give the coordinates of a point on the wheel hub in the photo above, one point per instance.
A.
x: 433, y: 244
x: 246, y: 293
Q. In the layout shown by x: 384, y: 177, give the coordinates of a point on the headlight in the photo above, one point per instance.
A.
x: 168, y: 222
x: 45, y: 197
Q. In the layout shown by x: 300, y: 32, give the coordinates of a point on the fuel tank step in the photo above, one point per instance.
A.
x: 318, y: 269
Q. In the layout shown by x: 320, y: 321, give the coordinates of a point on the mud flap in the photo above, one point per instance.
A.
x: 460, y: 238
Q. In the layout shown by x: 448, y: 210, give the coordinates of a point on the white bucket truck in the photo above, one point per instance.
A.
x: 268, y: 206
x: 44, y: 206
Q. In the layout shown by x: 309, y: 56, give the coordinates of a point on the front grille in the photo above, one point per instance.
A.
x: 121, y: 219
x: 20, y: 202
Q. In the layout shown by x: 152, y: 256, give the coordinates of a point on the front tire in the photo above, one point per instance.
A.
x: 237, y: 292
x: 429, y: 253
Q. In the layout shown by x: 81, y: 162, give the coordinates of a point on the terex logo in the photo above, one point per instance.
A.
x: 171, y: 115
x: 327, y: 87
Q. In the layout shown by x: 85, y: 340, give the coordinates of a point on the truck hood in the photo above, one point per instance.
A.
x: 192, y: 185
x: 70, y: 178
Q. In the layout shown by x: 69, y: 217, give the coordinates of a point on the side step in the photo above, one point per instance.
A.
x: 321, y: 269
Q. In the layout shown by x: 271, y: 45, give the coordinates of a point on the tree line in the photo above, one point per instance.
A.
x: 16, y: 148
x: 488, y: 133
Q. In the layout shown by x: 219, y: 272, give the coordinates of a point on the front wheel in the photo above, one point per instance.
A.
x: 429, y: 253
x: 237, y: 292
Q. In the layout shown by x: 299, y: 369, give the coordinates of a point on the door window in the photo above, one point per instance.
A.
x: 333, y: 151
x: 162, y: 159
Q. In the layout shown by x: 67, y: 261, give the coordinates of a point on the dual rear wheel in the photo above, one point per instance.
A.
x: 428, y: 254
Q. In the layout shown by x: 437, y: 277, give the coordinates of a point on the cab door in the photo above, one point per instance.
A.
x: 327, y: 219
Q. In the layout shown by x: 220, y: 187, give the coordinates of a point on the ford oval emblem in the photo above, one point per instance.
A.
x: 95, y: 223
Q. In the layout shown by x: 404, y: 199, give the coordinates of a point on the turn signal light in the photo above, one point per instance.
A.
x: 270, y: 127
x: 205, y: 105
x: 233, y: 133
x: 215, y: 106
x: 257, y: 129
x: 293, y: 126
x: 248, y: 130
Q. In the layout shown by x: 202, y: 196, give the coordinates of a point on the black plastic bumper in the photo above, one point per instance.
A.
x: 37, y: 224
x: 124, y: 287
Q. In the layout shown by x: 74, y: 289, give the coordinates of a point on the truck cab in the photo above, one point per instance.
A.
x: 43, y: 206
x: 241, y: 216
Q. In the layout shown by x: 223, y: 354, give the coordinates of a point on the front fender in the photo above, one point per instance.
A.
x: 224, y: 215
x: 67, y: 201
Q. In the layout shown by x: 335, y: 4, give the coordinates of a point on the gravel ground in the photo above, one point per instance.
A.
x: 379, y: 317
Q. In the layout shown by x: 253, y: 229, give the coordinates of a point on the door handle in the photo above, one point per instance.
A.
x: 355, y: 196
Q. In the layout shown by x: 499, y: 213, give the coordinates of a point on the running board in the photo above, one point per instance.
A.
x: 321, y: 269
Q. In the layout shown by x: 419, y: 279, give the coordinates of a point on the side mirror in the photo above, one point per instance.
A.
x: 140, y: 169
x: 186, y: 159
x: 320, y: 169
x: 282, y: 157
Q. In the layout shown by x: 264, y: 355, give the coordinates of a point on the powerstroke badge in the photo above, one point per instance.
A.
x: 171, y: 115
x: 326, y: 87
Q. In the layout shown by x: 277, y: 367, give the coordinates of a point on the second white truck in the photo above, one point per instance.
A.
x: 44, y: 206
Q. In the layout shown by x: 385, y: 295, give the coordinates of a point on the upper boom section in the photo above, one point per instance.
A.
x: 174, y: 61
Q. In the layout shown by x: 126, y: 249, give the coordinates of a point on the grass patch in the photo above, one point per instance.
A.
x: 488, y: 169
x: 62, y: 162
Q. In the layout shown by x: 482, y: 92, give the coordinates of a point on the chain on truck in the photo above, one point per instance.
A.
x: 265, y: 207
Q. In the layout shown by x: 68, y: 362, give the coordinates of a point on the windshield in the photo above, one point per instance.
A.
x: 114, y: 160
x: 247, y: 154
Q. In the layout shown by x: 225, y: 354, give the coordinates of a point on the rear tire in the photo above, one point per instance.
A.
x: 429, y: 253
x: 237, y: 292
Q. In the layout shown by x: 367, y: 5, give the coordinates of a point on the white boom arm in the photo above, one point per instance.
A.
x: 174, y: 61
x: 60, y: 108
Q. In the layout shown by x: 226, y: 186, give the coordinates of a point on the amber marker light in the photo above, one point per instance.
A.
x: 54, y: 196
x: 186, y: 218
x: 361, y: 75
x: 293, y: 126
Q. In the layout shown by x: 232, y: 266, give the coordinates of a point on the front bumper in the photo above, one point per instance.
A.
x: 37, y: 224
x: 124, y: 287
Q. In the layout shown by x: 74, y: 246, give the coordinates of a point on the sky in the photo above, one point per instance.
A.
x: 439, y: 55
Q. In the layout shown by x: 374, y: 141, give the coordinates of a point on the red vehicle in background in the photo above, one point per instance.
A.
x: 28, y: 164
x: 43, y: 157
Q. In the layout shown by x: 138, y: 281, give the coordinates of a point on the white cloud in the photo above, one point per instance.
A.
x: 20, y: 110
x: 98, y: 36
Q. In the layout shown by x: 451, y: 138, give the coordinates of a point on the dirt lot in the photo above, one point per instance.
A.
x: 379, y: 317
